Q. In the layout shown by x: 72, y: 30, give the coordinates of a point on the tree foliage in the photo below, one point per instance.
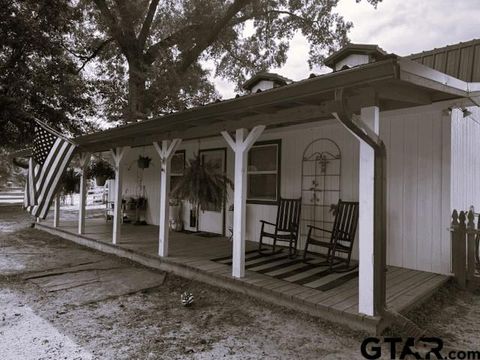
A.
x: 64, y: 60
x: 9, y: 172
x: 152, y: 53
x: 38, y: 76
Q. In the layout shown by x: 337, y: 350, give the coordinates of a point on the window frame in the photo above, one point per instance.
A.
x: 278, y: 143
x: 175, y: 175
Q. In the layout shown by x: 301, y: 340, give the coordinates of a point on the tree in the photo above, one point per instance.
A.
x: 38, y: 76
x: 9, y: 172
x: 151, y: 51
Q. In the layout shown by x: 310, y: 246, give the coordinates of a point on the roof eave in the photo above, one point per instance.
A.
x: 295, y: 92
x: 393, y: 68
x: 424, y: 76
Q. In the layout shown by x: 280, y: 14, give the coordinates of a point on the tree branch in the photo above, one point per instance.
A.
x: 192, y: 55
x: 108, y: 16
x: 126, y: 21
x: 152, y: 9
x: 253, y: 15
x: 94, y: 54
x: 175, y: 38
x: 112, y: 24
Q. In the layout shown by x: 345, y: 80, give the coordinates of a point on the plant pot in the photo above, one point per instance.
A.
x: 174, y: 212
x: 143, y: 162
x: 141, y: 203
x: 100, y: 180
x: 193, y: 218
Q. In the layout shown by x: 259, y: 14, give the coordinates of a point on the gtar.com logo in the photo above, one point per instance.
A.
x: 412, y: 348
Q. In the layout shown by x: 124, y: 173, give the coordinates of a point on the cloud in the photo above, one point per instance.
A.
x: 410, y: 26
x: 402, y: 27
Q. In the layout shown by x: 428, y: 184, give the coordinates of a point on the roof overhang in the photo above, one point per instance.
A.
x: 393, y: 83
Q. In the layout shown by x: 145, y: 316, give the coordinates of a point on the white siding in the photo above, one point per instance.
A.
x: 418, y: 188
x: 135, y: 179
x: 294, y: 142
x: 418, y: 150
x: 466, y: 160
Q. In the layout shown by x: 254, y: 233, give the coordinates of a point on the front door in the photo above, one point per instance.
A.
x: 210, y: 220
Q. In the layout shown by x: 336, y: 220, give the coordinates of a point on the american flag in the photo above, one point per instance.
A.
x: 51, y: 155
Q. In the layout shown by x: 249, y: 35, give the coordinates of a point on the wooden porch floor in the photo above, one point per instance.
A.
x: 190, y: 256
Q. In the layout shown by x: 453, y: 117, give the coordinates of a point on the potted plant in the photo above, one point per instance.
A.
x: 101, y: 170
x: 175, y: 220
x: 203, y: 185
x: 143, y: 162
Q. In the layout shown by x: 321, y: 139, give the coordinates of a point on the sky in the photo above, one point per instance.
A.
x: 398, y: 26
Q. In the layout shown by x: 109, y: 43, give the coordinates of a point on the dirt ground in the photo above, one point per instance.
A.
x: 61, y: 301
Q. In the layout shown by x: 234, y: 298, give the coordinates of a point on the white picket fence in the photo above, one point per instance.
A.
x: 96, y: 197
x: 11, y: 195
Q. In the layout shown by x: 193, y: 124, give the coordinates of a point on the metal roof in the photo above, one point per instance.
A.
x: 461, y: 60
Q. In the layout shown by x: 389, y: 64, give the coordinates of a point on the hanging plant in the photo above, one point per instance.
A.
x: 143, y: 162
x: 101, y: 170
x: 202, y: 185
x: 70, y: 182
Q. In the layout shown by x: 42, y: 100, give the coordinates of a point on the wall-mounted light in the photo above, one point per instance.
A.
x: 466, y: 112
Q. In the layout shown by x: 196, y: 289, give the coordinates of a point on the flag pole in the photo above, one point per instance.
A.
x: 48, y: 128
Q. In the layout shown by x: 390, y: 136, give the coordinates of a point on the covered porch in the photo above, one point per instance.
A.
x: 278, y: 279
x: 353, y: 99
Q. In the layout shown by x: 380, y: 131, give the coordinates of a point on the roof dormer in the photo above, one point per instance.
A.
x: 265, y: 81
x: 354, y: 55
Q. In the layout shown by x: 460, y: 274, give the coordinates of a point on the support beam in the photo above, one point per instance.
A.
x: 56, y: 210
x: 240, y: 147
x: 84, y: 162
x: 366, y: 288
x: 165, y: 150
x: 117, y: 155
x: 373, y: 206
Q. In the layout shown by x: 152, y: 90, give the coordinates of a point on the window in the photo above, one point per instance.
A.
x: 177, y: 168
x: 263, y: 171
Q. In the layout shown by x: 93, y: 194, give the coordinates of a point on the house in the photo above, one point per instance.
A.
x: 403, y: 132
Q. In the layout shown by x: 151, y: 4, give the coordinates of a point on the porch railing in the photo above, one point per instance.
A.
x: 465, y: 232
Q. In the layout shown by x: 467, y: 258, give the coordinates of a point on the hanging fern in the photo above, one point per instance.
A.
x: 70, y: 181
x: 203, y: 185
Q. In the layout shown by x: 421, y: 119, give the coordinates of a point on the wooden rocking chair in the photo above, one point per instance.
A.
x: 341, y: 238
x: 286, y: 227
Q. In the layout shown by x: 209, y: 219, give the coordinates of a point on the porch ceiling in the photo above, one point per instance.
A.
x: 393, y: 83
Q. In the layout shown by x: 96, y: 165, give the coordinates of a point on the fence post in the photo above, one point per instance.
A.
x: 454, y: 237
x: 471, y: 235
x: 460, y: 252
x: 477, y: 244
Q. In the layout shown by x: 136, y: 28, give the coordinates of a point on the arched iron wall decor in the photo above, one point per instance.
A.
x: 321, y: 175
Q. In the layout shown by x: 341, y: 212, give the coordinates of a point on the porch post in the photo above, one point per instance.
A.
x: 165, y: 150
x: 366, y: 284
x: 117, y: 155
x: 56, y: 210
x: 84, y: 161
x: 240, y: 146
